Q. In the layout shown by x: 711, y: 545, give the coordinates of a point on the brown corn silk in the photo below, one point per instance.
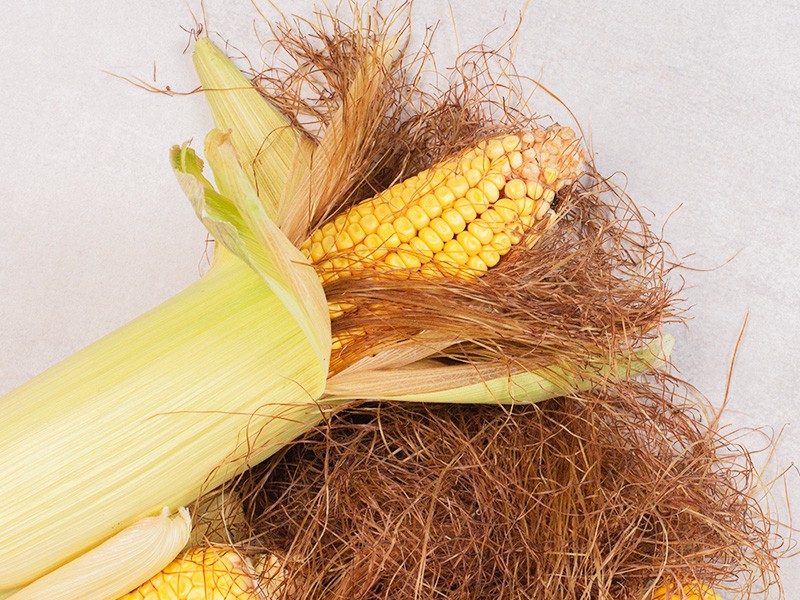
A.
x: 601, y: 495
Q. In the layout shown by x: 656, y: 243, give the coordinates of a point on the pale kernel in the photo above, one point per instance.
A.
x: 384, y: 213
x: 445, y: 263
x: 515, y: 189
x: 328, y: 229
x: 417, y: 216
x: 328, y: 242
x: 481, y: 231
x: 481, y: 163
x: 515, y: 158
x: 490, y: 256
x: 421, y: 248
x: 396, y: 202
x: 356, y: 232
x: 409, y: 194
x: 340, y: 263
x: 489, y: 190
x: 459, y: 185
x: 430, y: 204
x: 388, y: 235
x: 455, y: 251
x: 542, y: 207
x: 373, y: 241
x: 515, y: 233
x: 437, y: 177
x: 469, y: 243
x: 365, y: 208
x: 511, y: 143
x: 525, y: 206
x: 445, y: 195
x: 476, y: 263
x: 492, y: 216
x: 369, y: 223
x: 507, y: 209
x: 494, y: 149
x: 405, y: 228
x: 344, y: 241
x: 530, y: 172
x: 454, y: 220
x: 432, y: 239
x: 550, y: 175
x: 442, y: 229
x: 317, y: 252
x: 393, y: 260
x: 501, y: 242
x: 465, y: 209
x: 473, y: 176
x: 535, y: 190
x: 449, y: 167
x: 408, y: 256
x: 502, y: 164
x: 497, y: 179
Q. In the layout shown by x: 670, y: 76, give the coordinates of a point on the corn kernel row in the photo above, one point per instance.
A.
x: 460, y: 216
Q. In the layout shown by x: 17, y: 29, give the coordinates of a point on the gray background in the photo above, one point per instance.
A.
x: 694, y: 103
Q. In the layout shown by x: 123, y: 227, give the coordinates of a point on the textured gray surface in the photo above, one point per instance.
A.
x: 695, y: 102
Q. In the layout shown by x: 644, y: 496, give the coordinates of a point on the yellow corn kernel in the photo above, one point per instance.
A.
x: 515, y: 189
x: 471, y: 244
x: 481, y: 231
x: 369, y: 223
x: 507, y: 209
x: 432, y: 239
x: 465, y: 209
x: 476, y: 264
x: 430, y: 205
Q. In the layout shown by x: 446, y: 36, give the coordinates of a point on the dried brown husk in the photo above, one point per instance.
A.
x: 592, y: 496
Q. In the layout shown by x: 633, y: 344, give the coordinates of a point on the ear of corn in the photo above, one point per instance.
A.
x: 460, y: 216
x: 118, y: 564
x: 208, y: 573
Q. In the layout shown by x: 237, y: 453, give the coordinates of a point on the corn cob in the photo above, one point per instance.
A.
x: 460, y: 216
x: 209, y: 573
x: 690, y: 591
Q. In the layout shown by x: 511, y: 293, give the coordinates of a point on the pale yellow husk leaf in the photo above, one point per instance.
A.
x: 117, y: 565
x: 269, y: 147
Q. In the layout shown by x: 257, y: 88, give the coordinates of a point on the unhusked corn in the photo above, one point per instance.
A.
x: 466, y: 211
x: 202, y: 574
